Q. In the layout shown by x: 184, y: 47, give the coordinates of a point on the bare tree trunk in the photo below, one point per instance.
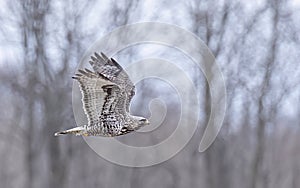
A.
x: 213, y: 156
x: 262, y: 113
x: 30, y: 154
x: 33, y: 23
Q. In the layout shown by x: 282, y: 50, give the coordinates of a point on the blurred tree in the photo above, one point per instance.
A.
x: 256, y: 45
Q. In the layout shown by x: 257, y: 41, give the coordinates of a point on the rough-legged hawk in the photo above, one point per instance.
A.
x: 106, y: 95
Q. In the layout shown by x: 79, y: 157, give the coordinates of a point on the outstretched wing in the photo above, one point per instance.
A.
x: 115, y: 73
x: 101, y: 98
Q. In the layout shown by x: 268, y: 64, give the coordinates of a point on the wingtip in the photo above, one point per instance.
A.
x: 93, y: 58
x: 115, y: 63
x: 88, y: 70
x: 97, y: 55
x: 81, y: 71
x: 104, y: 56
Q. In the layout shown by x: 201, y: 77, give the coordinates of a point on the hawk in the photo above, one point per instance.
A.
x: 106, y: 95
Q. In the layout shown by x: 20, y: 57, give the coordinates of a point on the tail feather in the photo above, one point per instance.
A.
x: 77, y: 131
x: 60, y: 133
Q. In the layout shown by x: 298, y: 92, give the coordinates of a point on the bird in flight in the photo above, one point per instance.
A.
x: 106, y: 95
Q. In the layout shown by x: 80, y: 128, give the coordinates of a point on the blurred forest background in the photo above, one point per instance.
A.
x: 256, y: 44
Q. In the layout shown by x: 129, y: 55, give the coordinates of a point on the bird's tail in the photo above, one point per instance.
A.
x: 78, y: 131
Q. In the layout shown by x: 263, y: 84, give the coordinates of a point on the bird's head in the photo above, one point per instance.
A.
x: 140, y: 122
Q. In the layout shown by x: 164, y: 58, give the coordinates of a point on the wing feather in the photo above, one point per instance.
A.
x: 100, y: 97
x: 111, y: 69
